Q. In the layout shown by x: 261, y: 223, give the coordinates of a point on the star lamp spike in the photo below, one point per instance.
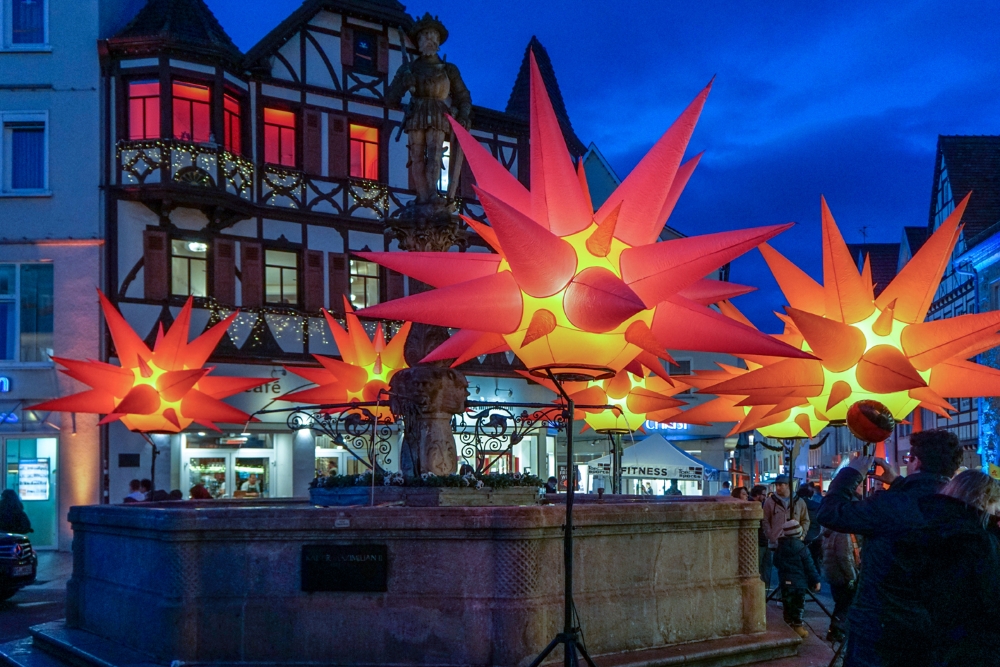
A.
x: 361, y: 375
x: 890, y: 354
x: 163, y: 390
x: 568, y: 284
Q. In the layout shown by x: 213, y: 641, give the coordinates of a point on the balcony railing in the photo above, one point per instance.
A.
x: 166, y: 161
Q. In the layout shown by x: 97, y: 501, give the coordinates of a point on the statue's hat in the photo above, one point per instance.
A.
x: 428, y: 22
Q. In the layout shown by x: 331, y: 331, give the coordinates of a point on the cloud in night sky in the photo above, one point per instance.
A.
x: 842, y: 99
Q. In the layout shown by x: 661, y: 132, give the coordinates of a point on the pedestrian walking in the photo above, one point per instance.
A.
x: 889, y: 622
x: 807, y: 492
x: 781, y: 507
x: 725, y: 490
x: 841, y: 562
x: 13, y: 518
x: 958, y: 569
x: 797, y: 575
x: 672, y: 490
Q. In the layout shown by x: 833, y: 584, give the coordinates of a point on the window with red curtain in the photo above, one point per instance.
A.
x: 364, y: 152
x: 144, y: 110
x: 279, y: 137
x: 192, y: 112
x: 231, y: 120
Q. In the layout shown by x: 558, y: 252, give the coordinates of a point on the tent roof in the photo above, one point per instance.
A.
x: 655, y: 451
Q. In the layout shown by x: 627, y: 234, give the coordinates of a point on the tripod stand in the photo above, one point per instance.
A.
x: 570, y: 637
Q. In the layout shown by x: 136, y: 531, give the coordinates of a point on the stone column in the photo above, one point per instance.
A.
x: 427, y: 397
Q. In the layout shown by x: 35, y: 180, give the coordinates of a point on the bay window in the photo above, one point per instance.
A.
x: 192, y: 112
x: 279, y: 137
x: 144, y: 110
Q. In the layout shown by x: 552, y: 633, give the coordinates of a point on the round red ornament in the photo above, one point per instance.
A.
x: 870, y: 421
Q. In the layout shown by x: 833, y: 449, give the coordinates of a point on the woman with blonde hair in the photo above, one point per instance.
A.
x: 957, y: 559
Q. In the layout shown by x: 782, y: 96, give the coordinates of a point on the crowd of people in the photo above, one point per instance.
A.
x: 913, y: 568
x: 141, y: 491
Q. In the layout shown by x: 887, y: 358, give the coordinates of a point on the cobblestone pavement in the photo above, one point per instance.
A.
x: 43, y: 601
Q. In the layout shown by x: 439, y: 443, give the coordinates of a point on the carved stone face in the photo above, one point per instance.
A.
x: 428, y: 42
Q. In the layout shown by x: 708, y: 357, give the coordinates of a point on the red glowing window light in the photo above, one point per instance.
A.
x: 231, y: 124
x: 364, y: 152
x: 192, y: 112
x: 144, y: 110
x: 279, y: 137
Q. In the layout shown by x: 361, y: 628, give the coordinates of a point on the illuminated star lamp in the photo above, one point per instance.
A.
x: 163, y: 390
x: 875, y: 349
x: 362, y: 373
x: 778, y: 412
x: 637, y: 394
x: 570, y: 291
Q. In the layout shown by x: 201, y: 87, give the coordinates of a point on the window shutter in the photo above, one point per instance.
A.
x: 155, y: 258
x: 312, y: 297
x: 382, y: 57
x: 394, y: 285
x: 339, y: 149
x: 224, y: 271
x: 312, y: 137
x: 347, y: 46
x: 251, y: 274
x: 339, y: 282
x: 466, y: 181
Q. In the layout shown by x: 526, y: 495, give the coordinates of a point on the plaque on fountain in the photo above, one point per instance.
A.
x: 348, y: 568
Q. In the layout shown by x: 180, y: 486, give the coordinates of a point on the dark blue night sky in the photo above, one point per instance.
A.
x: 844, y: 99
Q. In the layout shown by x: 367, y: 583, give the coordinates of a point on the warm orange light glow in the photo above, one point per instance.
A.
x: 364, y: 371
x: 867, y: 348
x: 572, y: 290
x: 165, y: 389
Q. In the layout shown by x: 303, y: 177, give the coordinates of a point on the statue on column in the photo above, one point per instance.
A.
x: 436, y: 90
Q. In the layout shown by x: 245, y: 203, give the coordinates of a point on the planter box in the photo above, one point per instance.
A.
x: 420, y: 496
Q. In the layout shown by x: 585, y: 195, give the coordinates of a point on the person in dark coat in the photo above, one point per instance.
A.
x: 889, y: 624
x: 807, y: 492
x: 797, y: 574
x: 958, y: 556
x: 12, y: 516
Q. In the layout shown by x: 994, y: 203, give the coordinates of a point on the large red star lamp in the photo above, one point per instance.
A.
x: 870, y: 348
x: 362, y: 373
x: 570, y: 291
x: 163, y: 390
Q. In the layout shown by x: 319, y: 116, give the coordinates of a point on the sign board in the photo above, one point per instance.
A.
x: 33, y: 479
x: 349, y: 568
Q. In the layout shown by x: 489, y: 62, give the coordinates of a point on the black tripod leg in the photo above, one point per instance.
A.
x: 821, y: 605
x: 545, y: 652
x: 586, y: 656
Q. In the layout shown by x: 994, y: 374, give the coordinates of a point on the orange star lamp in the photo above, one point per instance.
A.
x: 363, y: 372
x: 869, y: 348
x: 637, y: 394
x: 163, y: 390
x: 570, y: 291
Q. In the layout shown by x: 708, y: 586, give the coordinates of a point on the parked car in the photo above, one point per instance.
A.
x: 18, y: 564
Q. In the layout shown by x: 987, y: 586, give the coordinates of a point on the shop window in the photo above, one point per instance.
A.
x: 26, y: 312
x: 281, y: 277
x: 365, y: 52
x: 25, y: 153
x: 364, y: 283
x: 279, y: 137
x: 364, y: 152
x: 192, y: 112
x: 30, y: 471
x: 231, y: 123
x: 27, y: 24
x: 144, y: 110
x: 188, y: 268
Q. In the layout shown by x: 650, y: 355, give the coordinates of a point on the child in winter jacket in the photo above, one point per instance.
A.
x: 796, y: 573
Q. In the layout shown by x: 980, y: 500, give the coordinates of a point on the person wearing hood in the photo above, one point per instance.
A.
x: 780, y: 507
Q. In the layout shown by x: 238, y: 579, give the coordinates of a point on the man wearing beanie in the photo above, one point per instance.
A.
x: 889, y: 625
x: 796, y: 574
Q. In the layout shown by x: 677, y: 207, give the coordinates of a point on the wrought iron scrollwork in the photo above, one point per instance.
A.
x: 360, y: 431
x: 488, y: 431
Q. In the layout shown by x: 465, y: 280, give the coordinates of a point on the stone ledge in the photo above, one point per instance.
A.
x: 55, y: 645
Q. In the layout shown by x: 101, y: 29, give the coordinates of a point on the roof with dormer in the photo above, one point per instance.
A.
x: 389, y: 12
x: 520, y: 97
x: 181, y: 24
